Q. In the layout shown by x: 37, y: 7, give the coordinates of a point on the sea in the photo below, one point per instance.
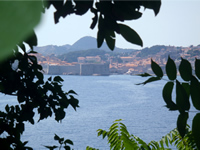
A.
x: 102, y: 100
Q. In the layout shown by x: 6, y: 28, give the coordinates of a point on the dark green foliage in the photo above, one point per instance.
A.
x: 130, y: 35
x: 167, y: 96
x: 107, y: 14
x: 144, y: 75
x: 184, y: 90
x: 171, y: 70
x: 185, y: 70
x: 181, y: 123
x: 151, y: 79
x: 22, y: 76
x: 197, y: 68
x: 196, y: 129
x: 63, y: 143
x: 195, y: 92
x: 156, y: 69
x: 182, y: 99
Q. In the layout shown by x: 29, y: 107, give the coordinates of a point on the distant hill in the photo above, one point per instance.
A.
x: 84, y: 43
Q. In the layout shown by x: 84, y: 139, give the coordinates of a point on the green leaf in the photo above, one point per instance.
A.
x: 56, y: 137
x: 73, y: 102
x: 94, y: 19
x: 117, y: 120
x: 7, y: 108
x: 166, y: 141
x: 155, y: 5
x: 99, y: 132
x: 181, y: 123
x: 100, y: 38
x: 59, y: 114
x: 110, y: 42
x: 90, y: 148
x: 66, y: 147
x: 61, y: 140
x: 31, y: 51
x: 68, y: 142
x: 20, y: 127
x: 58, y: 79
x: 186, y: 86
x: 114, y: 125
x: 62, y: 10
x: 101, y: 32
x: 82, y: 7
x: 196, y: 129
x: 195, y: 92
x: 51, y: 147
x: 144, y: 75
x: 130, y: 35
x: 18, y: 18
x: 50, y: 78
x: 104, y: 134
x: 156, y: 69
x: 33, y: 59
x: 152, y: 79
x: 125, y: 10
x: 185, y: 70
x: 171, y: 69
x: 182, y: 98
x: 167, y: 96
x: 197, y: 68
x: 72, y: 92
x: 39, y: 75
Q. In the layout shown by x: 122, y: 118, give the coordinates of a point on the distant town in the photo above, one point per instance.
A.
x: 93, y: 61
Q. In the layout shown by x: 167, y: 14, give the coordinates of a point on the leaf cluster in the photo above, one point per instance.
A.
x: 107, y: 14
x: 22, y: 76
x: 63, y: 143
x: 188, y: 89
x: 120, y: 139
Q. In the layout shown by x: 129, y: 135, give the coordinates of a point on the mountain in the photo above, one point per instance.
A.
x: 85, y: 43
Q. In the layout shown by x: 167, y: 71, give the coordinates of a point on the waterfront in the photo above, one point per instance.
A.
x: 104, y: 99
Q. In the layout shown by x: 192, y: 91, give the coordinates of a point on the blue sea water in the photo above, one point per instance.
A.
x: 102, y: 100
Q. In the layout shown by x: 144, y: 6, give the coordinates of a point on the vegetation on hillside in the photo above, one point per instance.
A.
x: 151, y: 51
x: 73, y: 56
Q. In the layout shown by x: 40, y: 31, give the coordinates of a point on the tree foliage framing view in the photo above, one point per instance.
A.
x: 119, y: 138
x: 186, y: 89
x: 22, y: 76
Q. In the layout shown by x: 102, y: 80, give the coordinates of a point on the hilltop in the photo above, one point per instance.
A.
x: 85, y: 43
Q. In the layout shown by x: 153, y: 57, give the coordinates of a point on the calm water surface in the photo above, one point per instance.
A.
x: 102, y: 100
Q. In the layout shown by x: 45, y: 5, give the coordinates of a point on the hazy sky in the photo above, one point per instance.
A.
x: 177, y: 24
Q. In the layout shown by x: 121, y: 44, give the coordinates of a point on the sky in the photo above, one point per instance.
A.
x: 177, y: 24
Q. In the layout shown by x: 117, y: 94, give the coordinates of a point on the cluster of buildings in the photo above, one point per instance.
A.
x: 94, y: 65
x: 78, y: 69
